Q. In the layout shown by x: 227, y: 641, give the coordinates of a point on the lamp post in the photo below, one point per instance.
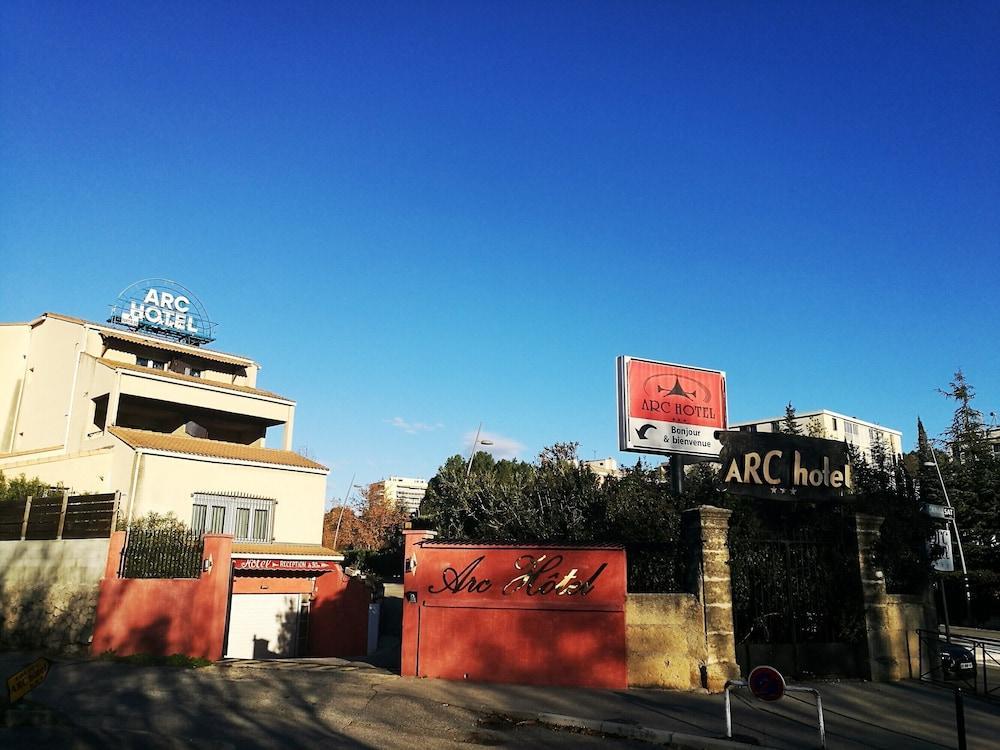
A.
x: 958, y: 538
x: 475, y: 449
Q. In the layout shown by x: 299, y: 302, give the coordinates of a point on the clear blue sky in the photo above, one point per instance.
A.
x: 418, y: 216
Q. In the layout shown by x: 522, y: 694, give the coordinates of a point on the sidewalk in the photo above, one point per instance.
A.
x: 337, y: 703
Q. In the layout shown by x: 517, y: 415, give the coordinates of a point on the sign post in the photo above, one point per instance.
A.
x: 672, y: 410
x: 767, y: 684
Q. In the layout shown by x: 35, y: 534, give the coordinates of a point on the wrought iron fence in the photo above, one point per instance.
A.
x: 161, y: 553
x: 964, y: 661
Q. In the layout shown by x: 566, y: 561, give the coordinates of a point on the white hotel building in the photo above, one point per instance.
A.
x: 171, y: 426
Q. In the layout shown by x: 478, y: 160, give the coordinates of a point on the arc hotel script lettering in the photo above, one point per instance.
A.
x: 541, y: 576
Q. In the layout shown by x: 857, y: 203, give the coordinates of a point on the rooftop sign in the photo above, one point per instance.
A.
x: 667, y: 408
x: 163, y: 308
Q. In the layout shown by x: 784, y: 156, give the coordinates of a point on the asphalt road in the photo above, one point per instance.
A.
x: 106, y: 705
x: 334, y: 704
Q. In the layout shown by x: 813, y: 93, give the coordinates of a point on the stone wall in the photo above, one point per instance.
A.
x: 665, y: 637
x: 48, y: 591
x: 890, y: 619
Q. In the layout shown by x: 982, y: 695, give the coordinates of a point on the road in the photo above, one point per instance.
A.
x: 102, y: 705
x: 334, y: 703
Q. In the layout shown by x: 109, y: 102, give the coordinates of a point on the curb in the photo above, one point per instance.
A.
x: 634, y: 732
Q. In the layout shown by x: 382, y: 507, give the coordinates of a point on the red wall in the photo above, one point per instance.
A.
x: 558, y: 619
x: 338, y: 617
x: 164, y: 616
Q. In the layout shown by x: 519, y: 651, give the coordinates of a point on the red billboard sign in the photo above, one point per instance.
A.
x: 668, y: 408
x: 277, y: 565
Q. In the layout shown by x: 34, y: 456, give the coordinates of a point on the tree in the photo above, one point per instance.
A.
x: 558, y: 500
x: 972, y: 477
x: 815, y: 428
x: 789, y: 425
x: 21, y: 487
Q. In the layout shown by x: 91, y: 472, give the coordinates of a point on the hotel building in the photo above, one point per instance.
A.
x: 171, y: 426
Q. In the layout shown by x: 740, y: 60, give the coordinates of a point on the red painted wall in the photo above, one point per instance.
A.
x: 164, y: 616
x: 526, y: 614
x: 338, y: 617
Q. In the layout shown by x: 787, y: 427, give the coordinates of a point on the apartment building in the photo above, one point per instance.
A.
x: 833, y: 426
x: 403, y: 492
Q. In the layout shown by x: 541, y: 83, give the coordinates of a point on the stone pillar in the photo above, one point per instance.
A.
x: 873, y: 597
x: 707, y: 529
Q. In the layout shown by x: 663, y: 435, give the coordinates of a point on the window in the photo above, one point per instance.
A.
x: 775, y: 427
x: 242, y: 523
x: 850, y: 429
x: 198, y: 518
x: 259, y: 524
x: 834, y: 424
x: 218, y: 519
x: 231, y: 514
x: 193, y: 372
x: 153, y: 363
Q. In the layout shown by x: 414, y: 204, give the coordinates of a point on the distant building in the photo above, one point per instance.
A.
x: 603, y: 467
x: 404, y: 492
x: 833, y: 426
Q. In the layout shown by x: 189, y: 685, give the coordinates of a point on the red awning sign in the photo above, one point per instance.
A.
x: 278, y: 565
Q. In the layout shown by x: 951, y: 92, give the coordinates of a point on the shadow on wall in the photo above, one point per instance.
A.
x: 48, y: 594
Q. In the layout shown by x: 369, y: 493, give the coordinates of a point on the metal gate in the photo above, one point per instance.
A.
x: 797, y: 594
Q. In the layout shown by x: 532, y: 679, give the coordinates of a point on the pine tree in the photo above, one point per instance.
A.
x: 927, y: 477
x: 789, y: 425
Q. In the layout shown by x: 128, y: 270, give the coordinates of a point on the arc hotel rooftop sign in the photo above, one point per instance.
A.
x: 163, y: 308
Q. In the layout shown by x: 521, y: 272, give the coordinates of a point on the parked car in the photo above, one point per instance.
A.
x: 957, y: 662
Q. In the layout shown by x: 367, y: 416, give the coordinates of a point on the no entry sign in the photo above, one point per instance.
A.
x: 669, y: 408
x: 766, y: 683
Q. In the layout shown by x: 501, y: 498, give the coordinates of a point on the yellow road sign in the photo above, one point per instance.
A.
x: 21, y: 683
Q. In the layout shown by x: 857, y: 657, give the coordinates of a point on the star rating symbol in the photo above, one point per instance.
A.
x: 774, y: 490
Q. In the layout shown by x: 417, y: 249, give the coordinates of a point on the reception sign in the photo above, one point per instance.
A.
x: 779, y: 466
x: 279, y: 565
x: 668, y: 408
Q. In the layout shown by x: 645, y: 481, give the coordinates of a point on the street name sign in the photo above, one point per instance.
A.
x: 23, y: 682
x: 945, y: 512
x: 669, y: 408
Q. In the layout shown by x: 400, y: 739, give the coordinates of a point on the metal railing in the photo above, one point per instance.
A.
x: 161, y: 554
x: 968, y: 662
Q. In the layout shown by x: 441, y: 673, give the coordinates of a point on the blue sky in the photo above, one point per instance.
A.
x: 422, y: 216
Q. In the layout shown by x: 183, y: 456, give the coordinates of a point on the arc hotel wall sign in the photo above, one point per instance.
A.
x: 163, y: 308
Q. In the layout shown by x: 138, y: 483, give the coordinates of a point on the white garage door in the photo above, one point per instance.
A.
x: 263, y: 626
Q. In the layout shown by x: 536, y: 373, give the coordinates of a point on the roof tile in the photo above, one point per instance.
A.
x: 212, y: 448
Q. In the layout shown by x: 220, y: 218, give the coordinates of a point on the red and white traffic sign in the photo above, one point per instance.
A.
x: 668, y: 408
x: 766, y: 683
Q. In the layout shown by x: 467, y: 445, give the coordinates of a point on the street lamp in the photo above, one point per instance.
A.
x: 958, y: 538
x: 475, y: 449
